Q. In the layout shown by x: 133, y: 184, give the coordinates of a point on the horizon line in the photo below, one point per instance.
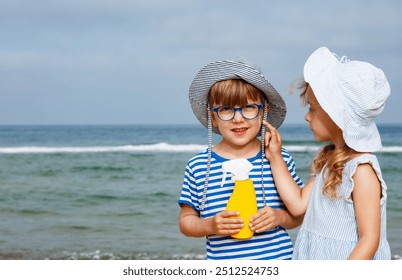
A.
x: 156, y: 124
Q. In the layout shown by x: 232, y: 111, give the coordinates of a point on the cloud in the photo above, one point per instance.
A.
x: 73, y: 54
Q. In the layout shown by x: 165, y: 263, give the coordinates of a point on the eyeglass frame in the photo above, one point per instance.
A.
x: 235, y: 109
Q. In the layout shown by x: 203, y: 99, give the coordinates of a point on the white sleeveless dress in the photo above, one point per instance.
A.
x: 329, y: 230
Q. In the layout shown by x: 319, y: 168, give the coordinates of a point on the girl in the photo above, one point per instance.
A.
x: 231, y: 98
x: 345, y: 201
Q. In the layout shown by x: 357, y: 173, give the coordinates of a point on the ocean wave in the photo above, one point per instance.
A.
x: 159, y: 147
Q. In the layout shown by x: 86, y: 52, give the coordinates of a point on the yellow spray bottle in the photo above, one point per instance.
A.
x: 243, y: 198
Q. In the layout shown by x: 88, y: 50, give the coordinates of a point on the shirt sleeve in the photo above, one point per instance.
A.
x: 189, y: 194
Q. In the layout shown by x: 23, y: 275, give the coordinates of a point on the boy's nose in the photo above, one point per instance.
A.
x: 238, y: 116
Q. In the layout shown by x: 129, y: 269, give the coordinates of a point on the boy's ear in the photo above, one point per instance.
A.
x: 214, y: 120
x: 213, y: 117
x: 268, y: 107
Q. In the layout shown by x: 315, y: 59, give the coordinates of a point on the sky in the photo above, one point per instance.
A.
x: 132, y: 61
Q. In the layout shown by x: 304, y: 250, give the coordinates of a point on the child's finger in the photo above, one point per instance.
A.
x: 230, y: 213
x: 268, y: 125
x: 267, y: 138
x: 237, y: 223
x: 230, y: 217
x: 278, y: 136
x: 271, y: 132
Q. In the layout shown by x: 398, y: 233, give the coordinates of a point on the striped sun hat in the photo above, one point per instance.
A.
x: 352, y: 93
x: 228, y: 70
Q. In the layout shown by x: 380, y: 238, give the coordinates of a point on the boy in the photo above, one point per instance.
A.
x: 232, y: 98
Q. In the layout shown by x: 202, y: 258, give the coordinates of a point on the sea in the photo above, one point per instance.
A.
x: 110, y: 192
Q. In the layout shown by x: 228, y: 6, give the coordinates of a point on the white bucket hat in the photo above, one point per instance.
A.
x: 228, y: 70
x: 352, y: 93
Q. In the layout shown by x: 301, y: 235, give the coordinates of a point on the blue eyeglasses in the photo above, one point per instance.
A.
x: 248, y: 111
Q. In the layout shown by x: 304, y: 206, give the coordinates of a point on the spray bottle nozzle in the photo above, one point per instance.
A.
x: 238, y: 167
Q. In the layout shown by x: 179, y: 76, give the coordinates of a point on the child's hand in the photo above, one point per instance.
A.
x: 273, y: 141
x: 223, y: 223
x: 265, y: 219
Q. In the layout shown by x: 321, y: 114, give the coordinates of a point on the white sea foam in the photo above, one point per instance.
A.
x: 301, y: 148
x: 159, y: 147
x: 392, y: 149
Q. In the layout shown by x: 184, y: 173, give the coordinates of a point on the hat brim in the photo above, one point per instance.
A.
x: 362, y: 137
x: 227, y: 70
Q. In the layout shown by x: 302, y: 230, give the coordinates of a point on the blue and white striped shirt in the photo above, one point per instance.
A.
x: 271, y: 244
